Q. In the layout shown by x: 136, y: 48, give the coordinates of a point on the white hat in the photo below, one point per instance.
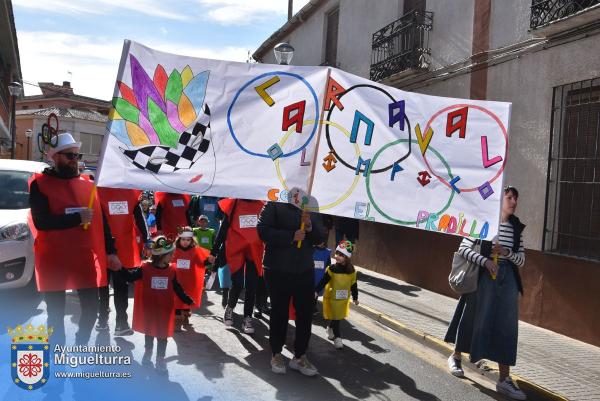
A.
x: 65, y: 141
x: 186, y: 234
x: 345, y: 248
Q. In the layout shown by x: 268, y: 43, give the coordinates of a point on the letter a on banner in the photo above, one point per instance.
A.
x: 452, y: 124
x: 296, y: 119
x: 396, y: 113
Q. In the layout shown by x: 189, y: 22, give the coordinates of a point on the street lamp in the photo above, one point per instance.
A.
x: 283, y: 53
x: 15, y: 91
x: 28, y: 134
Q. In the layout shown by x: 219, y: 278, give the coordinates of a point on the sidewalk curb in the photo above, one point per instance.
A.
x: 444, y: 347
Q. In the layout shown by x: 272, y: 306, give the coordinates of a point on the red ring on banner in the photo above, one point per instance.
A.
x: 54, y: 117
x: 489, y: 113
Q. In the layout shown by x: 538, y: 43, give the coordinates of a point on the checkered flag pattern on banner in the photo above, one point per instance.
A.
x: 163, y: 159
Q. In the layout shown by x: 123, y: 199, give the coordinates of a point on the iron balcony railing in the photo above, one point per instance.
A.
x: 544, y: 12
x: 402, y: 45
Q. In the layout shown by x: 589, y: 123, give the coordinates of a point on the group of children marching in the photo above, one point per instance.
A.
x: 170, y: 282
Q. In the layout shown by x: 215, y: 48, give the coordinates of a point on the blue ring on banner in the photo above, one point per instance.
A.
x: 312, y: 134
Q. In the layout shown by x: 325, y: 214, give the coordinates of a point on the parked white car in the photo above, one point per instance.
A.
x: 16, y: 241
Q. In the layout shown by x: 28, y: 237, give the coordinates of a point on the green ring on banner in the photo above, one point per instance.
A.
x: 378, y: 153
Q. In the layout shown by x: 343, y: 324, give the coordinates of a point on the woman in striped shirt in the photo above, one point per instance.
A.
x: 485, y: 323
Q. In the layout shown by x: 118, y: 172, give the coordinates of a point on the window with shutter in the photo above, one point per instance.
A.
x: 331, y: 39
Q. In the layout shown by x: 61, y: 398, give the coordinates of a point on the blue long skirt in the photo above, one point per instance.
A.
x: 486, y: 322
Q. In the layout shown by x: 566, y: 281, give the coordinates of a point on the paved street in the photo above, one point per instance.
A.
x: 213, y: 363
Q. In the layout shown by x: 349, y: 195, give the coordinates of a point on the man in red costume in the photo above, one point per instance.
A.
x: 172, y: 211
x: 123, y: 210
x: 71, y: 240
x: 243, y: 251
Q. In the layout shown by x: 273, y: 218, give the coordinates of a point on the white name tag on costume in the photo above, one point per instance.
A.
x: 319, y: 264
x: 159, y: 283
x: 177, y: 203
x: 341, y: 294
x: 183, y: 263
x: 204, y: 240
x: 248, y: 220
x: 118, y: 207
x: 209, y: 208
x: 72, y: 210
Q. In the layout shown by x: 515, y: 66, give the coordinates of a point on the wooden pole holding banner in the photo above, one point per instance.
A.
x: 316, y: 149
x: 90, y: 204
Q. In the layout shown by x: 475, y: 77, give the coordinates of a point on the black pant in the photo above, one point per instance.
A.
x: 239, y: 280
x: 282, y: 287
x: 55, y: 307
x: 121, y: 295
x: 335, y: 326
x: 261, y: 294
x: 161, y: 345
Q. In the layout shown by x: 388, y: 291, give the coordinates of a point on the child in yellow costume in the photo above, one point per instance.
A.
x: 339, y: 281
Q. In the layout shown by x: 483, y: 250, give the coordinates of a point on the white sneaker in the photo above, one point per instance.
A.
x: 455, y: 366
x: 303, y: 366
x: 278, y: 364
x: 228, y: 317
x: 330, y: 334
x: 337, y: 343
x: 510, y: 389
x: 247, y: 325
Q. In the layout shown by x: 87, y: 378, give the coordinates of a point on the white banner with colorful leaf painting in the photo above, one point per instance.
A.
x: 209, y: 127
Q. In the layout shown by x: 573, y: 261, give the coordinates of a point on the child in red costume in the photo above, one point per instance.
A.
x: 189, y: 263
x: 154, y: 309
x: 172, y: 211
x: 244, y: 252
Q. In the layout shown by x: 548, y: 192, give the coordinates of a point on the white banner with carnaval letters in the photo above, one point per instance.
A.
x: 209, y: 127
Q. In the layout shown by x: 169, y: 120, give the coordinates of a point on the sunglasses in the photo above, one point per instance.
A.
x: 71, y: 155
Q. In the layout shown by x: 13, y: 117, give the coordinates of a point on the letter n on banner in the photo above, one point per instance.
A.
x: 358, y: 118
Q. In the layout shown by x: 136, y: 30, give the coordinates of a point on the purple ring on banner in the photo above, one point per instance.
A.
x: 266, y: 155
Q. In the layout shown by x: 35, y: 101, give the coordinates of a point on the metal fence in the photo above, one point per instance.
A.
x: 402, y: 45
x: 544, y: 12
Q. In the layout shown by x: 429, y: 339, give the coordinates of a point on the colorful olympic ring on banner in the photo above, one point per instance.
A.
x: 368, y: 180
x: 490, y: 114
x: 237, y: 95
x: 340, y: 159
x: 354, y: 182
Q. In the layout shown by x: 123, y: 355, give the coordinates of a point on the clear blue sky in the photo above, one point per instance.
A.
x: 84, y: 37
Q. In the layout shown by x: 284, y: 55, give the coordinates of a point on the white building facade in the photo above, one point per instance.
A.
x: 544, y: 58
